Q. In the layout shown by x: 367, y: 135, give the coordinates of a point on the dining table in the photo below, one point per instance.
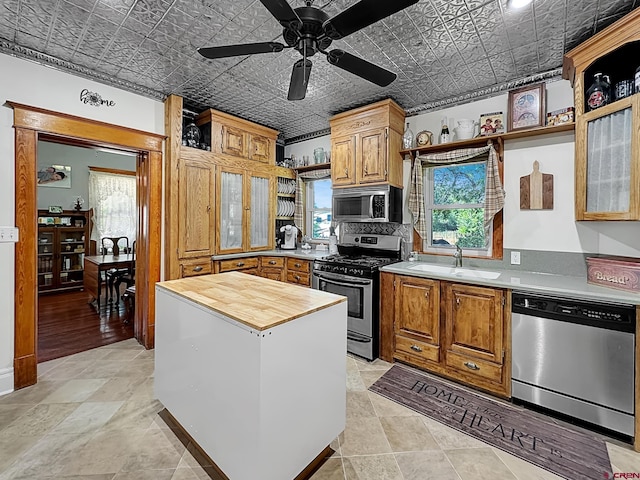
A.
x: 97, y: 266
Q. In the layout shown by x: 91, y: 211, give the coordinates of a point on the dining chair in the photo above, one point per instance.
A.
x: 113, y: 245
x: 128, y: 276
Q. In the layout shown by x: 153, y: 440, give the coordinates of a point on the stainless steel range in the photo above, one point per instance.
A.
x: 356, y: 276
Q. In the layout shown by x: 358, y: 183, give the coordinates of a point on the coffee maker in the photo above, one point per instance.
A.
x: 290, y: 237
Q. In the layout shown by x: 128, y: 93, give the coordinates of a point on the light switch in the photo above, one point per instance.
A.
x: 515, y: 258
x: 8, y: 234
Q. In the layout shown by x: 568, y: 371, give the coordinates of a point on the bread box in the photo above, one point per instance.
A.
x: 622, y: 273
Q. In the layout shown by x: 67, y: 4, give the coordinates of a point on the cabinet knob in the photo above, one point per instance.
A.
x: 240, y: 264
x: 366, y: 171
x: 298, y: 277
x: 272, y: 262
x: 416, y: 348
x: 298, y: 265
x: 346, y: 172
x: 471, y: 366
x: 458, y: 301
x: 197, y: 269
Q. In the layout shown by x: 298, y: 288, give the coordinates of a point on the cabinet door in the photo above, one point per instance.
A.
x: 607, y: 165
x: 259, y: 149
x: 230, y: 211
x: 343, y: 161
x: 474, y: 324
x: 196, y: 194
x: 417, y: 317
x: 234, y: 141
x: 260, y: 211
x: 371, y: 157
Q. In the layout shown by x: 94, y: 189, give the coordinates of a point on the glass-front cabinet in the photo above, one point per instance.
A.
x: 607, y: 107
x: 245, y: 210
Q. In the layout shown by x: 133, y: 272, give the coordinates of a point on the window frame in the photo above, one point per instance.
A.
x: 495, y: 247
x: 309, y: 210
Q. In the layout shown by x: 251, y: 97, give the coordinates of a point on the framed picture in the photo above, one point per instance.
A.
x: 55, y: 209
x: 491, y: 123
x: 58, y: 176
x: 526, y: 107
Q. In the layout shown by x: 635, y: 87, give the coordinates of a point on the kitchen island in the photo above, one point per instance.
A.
x: 255, y: 373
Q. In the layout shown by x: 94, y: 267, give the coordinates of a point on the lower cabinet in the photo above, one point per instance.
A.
x: 245, y: 265
x: 283, y: 269
x: 299, y: 271
x: 456, y: 330
x: 273, y: 268
x: 192, y: 268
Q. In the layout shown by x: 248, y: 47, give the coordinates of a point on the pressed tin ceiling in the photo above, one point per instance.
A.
x: 443, y: 51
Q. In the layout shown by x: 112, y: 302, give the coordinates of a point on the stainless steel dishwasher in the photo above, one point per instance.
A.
x: 575, y: 357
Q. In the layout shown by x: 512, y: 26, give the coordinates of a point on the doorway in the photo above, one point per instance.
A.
x: 32, y: 124
x: 97, y: 196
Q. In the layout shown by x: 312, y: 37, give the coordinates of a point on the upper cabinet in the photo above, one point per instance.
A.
x: 607, y: 162
x: 365, y: 145
x: 232, y: 136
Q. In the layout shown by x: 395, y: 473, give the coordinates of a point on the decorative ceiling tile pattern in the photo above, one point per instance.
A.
x: 444, y: 51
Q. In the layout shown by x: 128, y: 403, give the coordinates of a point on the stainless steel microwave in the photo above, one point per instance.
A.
x: 367, y: 204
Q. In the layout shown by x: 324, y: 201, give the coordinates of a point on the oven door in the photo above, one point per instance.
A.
x: 359, y: 293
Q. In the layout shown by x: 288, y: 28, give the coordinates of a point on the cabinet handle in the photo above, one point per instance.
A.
x: 346, y: 172
x: 222, y: 139
x: 240, y: 264
x: 366, y: 171
x: 272, y: 262
x: 197, y: 269
x: 208, y: 208
x: 416, y: 348
x: 298, y: 277
x: 471, y: 366
x: 458, y: 301
x: 297, y: 265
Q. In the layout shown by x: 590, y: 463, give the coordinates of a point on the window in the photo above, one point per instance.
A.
x: 318, y: 211
x: 113, y: 199
x: 454, y: 207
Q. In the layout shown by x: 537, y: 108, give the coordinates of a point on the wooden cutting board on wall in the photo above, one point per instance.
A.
x: 536, y: 190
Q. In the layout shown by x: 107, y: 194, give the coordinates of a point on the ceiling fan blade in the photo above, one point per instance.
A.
x: 299, y: 80
x: 283, y: 12
x: 242, y: 49
x: 360, y: 67
x: 362, y: 14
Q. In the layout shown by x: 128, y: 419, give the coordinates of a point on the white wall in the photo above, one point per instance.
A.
x: 545, y: 230
x: 307, y: 147
x: 33, y: 84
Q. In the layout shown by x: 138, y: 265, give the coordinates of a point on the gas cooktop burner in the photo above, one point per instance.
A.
x: 361, y: 260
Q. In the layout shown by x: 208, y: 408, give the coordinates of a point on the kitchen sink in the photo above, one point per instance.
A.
x: 455, y: 271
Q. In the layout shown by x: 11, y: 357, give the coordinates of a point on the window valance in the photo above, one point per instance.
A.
x: 494, y: 193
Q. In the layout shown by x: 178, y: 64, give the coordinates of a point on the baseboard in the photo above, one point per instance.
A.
x: 6, y: 381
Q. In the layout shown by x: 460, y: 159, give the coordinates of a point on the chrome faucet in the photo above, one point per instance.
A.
x: 458, y: 256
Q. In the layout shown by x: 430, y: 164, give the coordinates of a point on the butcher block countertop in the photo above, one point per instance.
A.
x: 257, y: 302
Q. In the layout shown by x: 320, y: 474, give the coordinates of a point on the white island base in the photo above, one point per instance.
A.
x: 263, y: 402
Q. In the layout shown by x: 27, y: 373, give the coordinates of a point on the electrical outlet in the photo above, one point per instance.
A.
x: 515, y: 258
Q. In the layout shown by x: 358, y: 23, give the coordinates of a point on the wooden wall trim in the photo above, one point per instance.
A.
x: 29, y: 124
x: 47, y: 121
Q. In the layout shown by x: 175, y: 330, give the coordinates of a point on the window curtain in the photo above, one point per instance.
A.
x: 113, y: 199
x: 298, y: 218
x: 494, y: 193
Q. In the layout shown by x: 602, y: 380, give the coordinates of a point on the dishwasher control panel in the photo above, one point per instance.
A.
x: 612, y: 316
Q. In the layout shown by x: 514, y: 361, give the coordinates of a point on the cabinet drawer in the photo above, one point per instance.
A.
x: 299, y: 278
x: 474, y: 366
x: 272, y: 262
x: 191, y: 269
x: 238, y: 264
x: 415, y: 348
x: 298, y: 265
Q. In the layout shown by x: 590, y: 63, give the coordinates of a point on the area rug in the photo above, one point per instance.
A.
x: 565, y: 451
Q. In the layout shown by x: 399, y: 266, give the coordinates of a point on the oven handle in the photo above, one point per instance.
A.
x: 337, y: 282
x: 358, y: 338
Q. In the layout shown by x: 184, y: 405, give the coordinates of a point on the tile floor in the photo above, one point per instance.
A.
x: 92, y: 416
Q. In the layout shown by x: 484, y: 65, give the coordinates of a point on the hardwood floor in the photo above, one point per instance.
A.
x: 67, y: 324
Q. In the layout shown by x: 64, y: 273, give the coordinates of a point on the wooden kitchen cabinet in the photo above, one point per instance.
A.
x: 237, y: 137
x: 607, y: 156
x: 244, y: 210
x: 299, y: 271
x: 455, y: 330
x: 273, y: 268
x: 417, y: 319
x: 365, y: 145
x: 474, y: 339
x: 245, y: 265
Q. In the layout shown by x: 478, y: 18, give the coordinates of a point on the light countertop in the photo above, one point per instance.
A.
x: 257, y: 302
x: 544, y: 283
x: 298, y: 253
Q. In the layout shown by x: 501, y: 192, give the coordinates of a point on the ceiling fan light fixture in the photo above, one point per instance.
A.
x: 515, y: 4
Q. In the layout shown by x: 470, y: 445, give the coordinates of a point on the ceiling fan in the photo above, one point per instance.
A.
x: 310, y: 30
